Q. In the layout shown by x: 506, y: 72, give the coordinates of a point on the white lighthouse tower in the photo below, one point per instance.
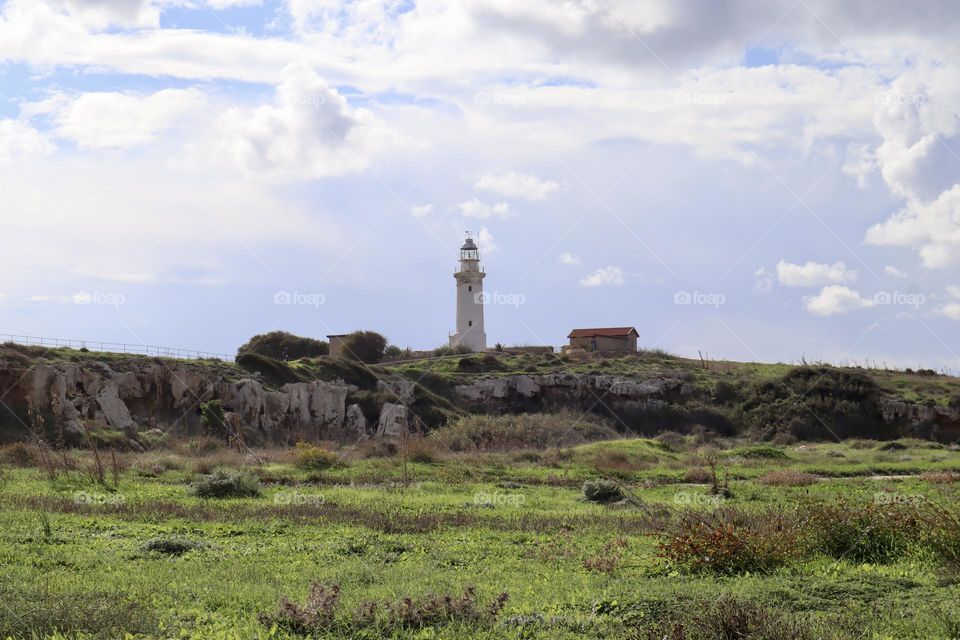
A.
x: 469, y: 277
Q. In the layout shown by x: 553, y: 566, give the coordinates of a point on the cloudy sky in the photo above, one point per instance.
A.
x: 756, y: 179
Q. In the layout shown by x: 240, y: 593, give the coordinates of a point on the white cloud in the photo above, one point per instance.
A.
x: 18, y: 139
x: 919, y: 121
x: 421, y: 211
x: 933, y: 229
x: 608, y: 276
x: 861, y: 162
x: 813, y: 274
x: 122, y: 121
x: 835, y: 300
x: 476, y: 209
x: 890, y: 270
x: 570, y: 259
x: 309, y: 132
x: 951, y: 310
x: 486, y: 242
x: 953, y: 291
x: 517, y: 185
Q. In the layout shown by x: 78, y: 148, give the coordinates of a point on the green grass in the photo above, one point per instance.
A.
x: 77, y: 556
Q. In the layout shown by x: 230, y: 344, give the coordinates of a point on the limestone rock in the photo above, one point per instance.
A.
x: 112, y: 408
x: 355, y: 423
x: 396, y: 420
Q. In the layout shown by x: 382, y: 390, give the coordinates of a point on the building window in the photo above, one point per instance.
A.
x: 470, y: 289
x: 470, y: 323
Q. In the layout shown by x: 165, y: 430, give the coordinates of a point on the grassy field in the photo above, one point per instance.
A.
x: 139, y: 555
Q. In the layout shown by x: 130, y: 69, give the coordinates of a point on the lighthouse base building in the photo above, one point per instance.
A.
x: 470, y: 300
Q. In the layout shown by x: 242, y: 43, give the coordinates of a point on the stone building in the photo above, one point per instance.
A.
x: 604, y: 340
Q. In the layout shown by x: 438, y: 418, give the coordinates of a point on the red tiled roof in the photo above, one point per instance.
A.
x: 609, y: 332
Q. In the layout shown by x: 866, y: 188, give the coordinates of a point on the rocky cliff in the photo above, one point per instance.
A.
x: 138, y: 395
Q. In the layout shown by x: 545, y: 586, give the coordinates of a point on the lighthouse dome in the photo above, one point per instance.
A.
x: 468, y: 245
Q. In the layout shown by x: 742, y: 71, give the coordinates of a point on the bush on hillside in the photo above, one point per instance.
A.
x: 314, y: 458
x: 521, y: 431
x: 602, y: 491
x: 730, y: 541
x: 365, y: 346
x: 814, y: 403
x: 224, y: 484
x: 281, y: 345
x: 212, y: 418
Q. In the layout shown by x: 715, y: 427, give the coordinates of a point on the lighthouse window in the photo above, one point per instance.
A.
x: 469, y: 323
x: 469, y: 288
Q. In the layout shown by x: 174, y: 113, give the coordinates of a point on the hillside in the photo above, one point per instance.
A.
x: 330, y: 398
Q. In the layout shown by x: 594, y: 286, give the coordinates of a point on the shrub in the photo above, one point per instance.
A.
x: 729, y: 541
x: 365, y: 346
x: 18, y: 454
x: 202, y: 446
x: 727, y: 618
x: 760, y: 452
x: 602, y: 491
x: 170, y: 546
x: 313, y: 617
x: 864, y: 533
x: 314, y: 458
x: 378, y: 449
x: 419, y: 450
x: 224, y: 484
x: 430, y: 611
x: 281, y: 345
x: 698, y: 475
x: 445, y: 350
x: 212, y: 418
x: 787, y: 479
x: 671, y: 441
x: 521, y: 431
x: 393, y: 351
x: 318, y: 615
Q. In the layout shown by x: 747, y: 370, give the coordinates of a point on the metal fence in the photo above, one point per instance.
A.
x: 114, y: 347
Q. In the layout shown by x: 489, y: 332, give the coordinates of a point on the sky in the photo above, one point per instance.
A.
x: 763, y: 180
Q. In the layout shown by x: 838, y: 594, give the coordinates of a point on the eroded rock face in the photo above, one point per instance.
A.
x: 355, y: 423
x: 572, y: 386
x: 171, y: 395
x: 396, y: 421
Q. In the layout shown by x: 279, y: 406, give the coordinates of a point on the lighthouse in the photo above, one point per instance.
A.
x: 470, y: 300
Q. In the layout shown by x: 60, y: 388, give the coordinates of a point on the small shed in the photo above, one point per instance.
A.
x: 605, y: 340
